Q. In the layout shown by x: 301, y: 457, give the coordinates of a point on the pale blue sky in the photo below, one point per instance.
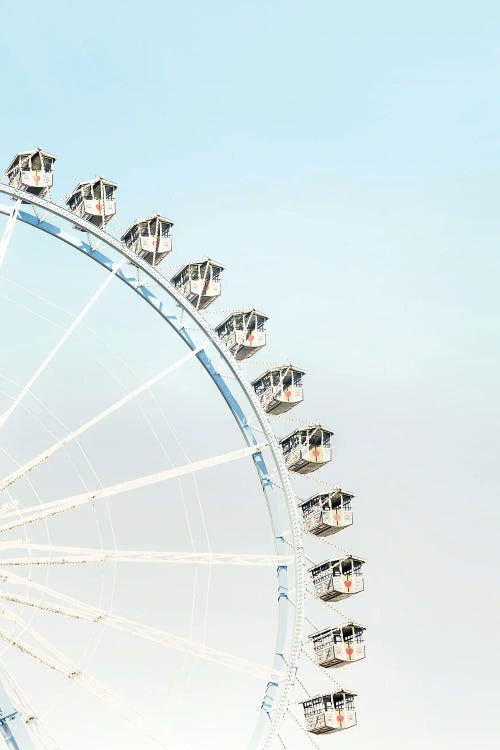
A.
x: 342, y: 160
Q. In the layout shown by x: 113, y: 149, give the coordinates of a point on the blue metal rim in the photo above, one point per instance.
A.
x: 282, y: 507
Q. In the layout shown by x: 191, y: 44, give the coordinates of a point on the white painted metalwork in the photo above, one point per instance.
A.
x: 54, y: 507
x: 338, y: 579
x: 277, y: 696
x: 41, y: 457
x: 82, y: 555
x: 79, y: 610
x: 327, y: 513
x: 30, y: 717
x: 48, y: 359
x: 94, y: 201
x: 32, y: 171
x: 4, y: 242
x: 150, y: 238
x: 307, y: 449
x: 280, y: 389
x: 199, y: 282
x: 337, y: 646
x: 243, y: 333
x: 45, y: 653
x: 330, y: 712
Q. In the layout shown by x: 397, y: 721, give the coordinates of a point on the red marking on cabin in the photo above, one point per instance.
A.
x: 316, y: 452
x: 348, y: 584
x: 98, y: 207
x: 349, y: 651
x: 36, y: 178
x: 340, y: 718
x: 288, y: 394
x: 337, y: 517
x: 250, y: 337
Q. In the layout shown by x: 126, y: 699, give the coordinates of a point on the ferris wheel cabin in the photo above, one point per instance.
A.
x: 338, y: 579
x: 150, y: 239
x: 334, y: 647
x: 330, y: 712
x: 307, y: 449
x: 32, y: 171
x: 327, y: 512
x: 243, y: 332
x: 199, y: 282
x: 280, y: 389
x: 94, y: 201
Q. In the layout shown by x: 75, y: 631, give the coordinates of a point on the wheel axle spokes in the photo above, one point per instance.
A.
x: 82, y: 555
x: 48, y: 655
x: 30, y: 716
x: 44, y: 455
x: 47, y: 510
x: 4, y: 242
x: 79, y: 610
x: 48, y: 359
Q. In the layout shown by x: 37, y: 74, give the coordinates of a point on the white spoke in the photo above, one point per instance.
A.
x: 50, y: 656
x: 58, y: 662
x: 4, y: 242
x: 82, y: 555
x: 83, y: 609
x: 46, y: 510
x: 41, y: 457
x: 30, y: 717
x: 80, y: 610
x: 46, y: 362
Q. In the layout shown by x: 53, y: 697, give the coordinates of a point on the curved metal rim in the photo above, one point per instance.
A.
x: 276, y: 700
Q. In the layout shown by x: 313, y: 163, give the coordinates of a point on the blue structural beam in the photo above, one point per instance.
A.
x: 12, y: 727
x: 282, y: 510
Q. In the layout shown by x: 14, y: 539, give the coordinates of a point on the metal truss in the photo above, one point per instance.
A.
x: 81, y: 611
x: 282, y: 508
x: 55, y: 507
x: 46, y: 654
x: 60, y: 555
x: 46, y: 362
x: 75, y: 434
x: 4, y: 242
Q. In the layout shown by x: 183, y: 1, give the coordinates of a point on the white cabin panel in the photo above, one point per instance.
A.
x: 339, y: 587
x: 96, y: 207
x: 342, y: 719
x: 338, y: 654
x: 244, y: 344
x: 200, y: 283
x: 330, y: 721
x: 160, y: 246
x: 304, y: 460
x: 201, y: 294
x: 207, y: 289
x: 277, y: 400
x: 36, y: 178
x: 32, y: 171
x: 327, y: 522
x: 337, y: 518
x: 317, y: 723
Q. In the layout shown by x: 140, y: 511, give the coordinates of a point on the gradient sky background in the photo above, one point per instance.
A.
x: 342, y: 160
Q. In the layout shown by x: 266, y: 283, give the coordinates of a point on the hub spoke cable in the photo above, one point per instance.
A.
x: 48, y: 359
x: 30, y: 717
x: 53, y: 508
x: 58, y: 662
x: 44, y: 455
x: 82, y: 555
x: 4, y: 242
x: 80, y: 610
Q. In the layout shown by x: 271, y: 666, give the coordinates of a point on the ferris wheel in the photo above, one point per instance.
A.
x: 143, y: 597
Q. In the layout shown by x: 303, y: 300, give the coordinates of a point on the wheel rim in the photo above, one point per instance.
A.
x: 289, y: 638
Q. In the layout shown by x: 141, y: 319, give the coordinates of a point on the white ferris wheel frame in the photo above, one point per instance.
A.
x: 282, y: 506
